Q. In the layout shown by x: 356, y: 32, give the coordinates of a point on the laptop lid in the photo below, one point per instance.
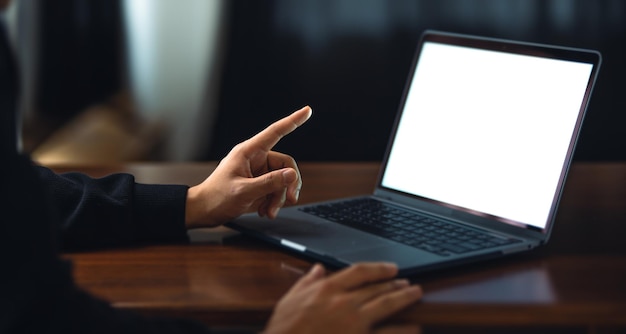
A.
x: 487, y: 128
x: 484, y: 136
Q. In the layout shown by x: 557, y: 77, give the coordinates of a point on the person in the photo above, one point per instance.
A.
x: 45, y: 213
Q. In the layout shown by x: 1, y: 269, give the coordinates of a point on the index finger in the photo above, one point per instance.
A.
x: 271, y: 135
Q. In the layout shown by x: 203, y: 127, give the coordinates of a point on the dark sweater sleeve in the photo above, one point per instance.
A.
x: 37, y: 291
x: 114, y: 210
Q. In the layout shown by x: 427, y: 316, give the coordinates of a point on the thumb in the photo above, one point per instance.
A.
x: 273, y: 181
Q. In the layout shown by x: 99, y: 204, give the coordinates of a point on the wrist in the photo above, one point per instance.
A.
x: 191, y: 209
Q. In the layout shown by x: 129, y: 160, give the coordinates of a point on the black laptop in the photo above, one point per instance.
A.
x: 475, y: 166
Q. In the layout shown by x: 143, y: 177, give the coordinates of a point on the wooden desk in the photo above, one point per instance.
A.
x: 577, y: 280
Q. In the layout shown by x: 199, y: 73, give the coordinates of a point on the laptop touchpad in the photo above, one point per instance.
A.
x: 399, y: 254
x: 328, y: 238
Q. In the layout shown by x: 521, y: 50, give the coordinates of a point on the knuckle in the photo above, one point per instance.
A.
x: 238, y: 148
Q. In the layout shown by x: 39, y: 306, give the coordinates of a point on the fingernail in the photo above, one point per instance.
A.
x: 391, y: 266
x: 296, y: 194
x: 275, y: 212
x: 401, y: 283
x: 317, y: 270
x: 289, y: 175
x: 416, y: 291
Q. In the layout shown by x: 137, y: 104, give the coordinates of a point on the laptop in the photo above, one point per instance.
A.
x: 475, y: 166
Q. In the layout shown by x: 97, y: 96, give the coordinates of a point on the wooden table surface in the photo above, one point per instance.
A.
x: 225, y: 279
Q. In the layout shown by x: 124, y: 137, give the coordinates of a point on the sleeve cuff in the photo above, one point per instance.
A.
x: 160, y: 213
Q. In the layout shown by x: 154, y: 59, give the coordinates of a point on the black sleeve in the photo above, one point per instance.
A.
x: 114, y: 210
x: 37, y: 291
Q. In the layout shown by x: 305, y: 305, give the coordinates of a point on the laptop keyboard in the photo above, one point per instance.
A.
x: 410, y: 228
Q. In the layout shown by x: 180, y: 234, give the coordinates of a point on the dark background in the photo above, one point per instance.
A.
x: 349, y: 59
x: 81, y: 57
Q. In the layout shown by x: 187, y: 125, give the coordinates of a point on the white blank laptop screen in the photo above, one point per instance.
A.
x: 487, y: 131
